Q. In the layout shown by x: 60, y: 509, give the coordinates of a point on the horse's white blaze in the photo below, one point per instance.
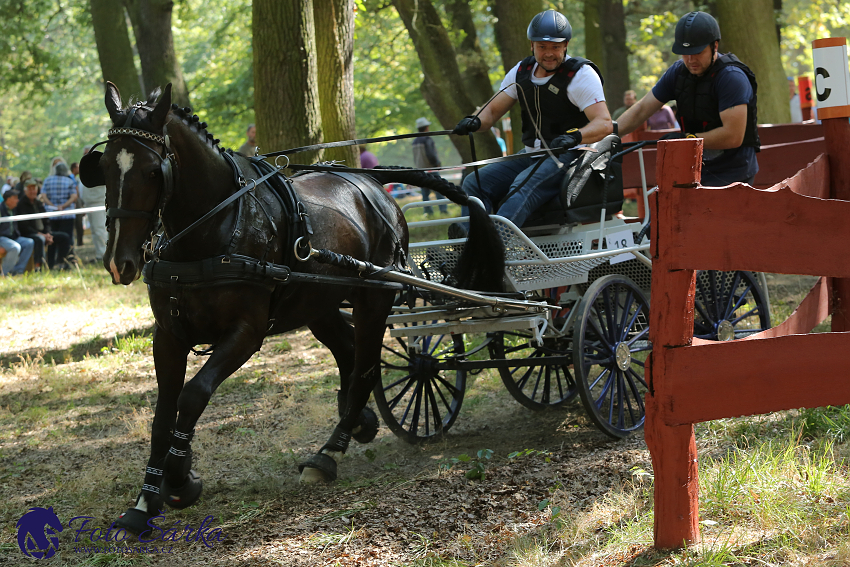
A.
x: 142, y: 504
x: 125, y: 163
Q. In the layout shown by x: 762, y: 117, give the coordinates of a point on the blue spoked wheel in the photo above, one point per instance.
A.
x: 729, y: 305
x: 418, y: 401
x: 610, y: 346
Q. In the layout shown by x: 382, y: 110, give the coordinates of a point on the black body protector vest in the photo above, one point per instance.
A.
x: 697, y: 100
x: 548, y: 105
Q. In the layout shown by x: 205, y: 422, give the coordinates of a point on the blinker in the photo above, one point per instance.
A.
x: 90, y: 173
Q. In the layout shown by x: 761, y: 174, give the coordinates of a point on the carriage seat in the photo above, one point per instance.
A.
x: 586, y: 175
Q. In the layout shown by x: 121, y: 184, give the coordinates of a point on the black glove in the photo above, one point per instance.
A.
x: 567, y: 141
x: 676, y: 136
x: 467, y: 125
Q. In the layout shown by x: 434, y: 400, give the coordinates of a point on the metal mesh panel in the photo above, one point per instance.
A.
x: 435, y: 262
x: 635, y: 270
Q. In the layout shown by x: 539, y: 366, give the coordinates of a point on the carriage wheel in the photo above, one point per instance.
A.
x: 729, y: 305
x: 536, y: 387
x: 418, y: 401
x: 611, y: 343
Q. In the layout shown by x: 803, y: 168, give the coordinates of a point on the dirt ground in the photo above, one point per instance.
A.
x: 394, y: 504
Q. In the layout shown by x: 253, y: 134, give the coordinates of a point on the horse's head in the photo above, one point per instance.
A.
x: 136, y: 169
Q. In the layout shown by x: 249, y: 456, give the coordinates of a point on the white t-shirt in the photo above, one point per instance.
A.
x: 584, y: 89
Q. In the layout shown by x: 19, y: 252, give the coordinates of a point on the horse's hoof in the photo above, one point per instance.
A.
x: 134, y: 520
x: 184, y: 496
x: 367, y: 426
x: 318, y: 468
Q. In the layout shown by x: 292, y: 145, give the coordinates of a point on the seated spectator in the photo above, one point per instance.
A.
x: 663, y: 119
x: 60, y: 194
x: 57, y: 244
x: 18, y: 248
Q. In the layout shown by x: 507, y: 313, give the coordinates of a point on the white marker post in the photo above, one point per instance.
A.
x: 832, y: 78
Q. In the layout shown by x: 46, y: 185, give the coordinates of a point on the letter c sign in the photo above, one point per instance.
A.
x: 832, y: 77
x: 821, y: 72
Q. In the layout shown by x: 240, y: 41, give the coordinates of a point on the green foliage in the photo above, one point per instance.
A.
x: 830, y: 422
x: 476, y: 470
x: 213, y: 41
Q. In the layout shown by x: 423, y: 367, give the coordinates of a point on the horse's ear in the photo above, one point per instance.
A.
x: 113, y: 102
x: 160, y: 111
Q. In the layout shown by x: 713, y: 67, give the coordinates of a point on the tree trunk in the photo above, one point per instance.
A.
x: 513, y: 17
x: 615, y: 68
x: 334, y: 48
x: 749, y: 31
x: 593, y: 47
x: 286, y: 93
x: 114, y: 49
x: 470, y: 58
x: 442, y: 86
x: 152, y: 28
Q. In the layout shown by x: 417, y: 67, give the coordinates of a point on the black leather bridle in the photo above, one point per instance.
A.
x: 92, y: 176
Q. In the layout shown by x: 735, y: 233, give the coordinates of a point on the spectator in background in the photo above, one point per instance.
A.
x: 499, y: 140
x: 19, y: 187
x: 367, y: 158
x: 425, y: 157
x: 6, y: 186
x: 95, y: 196
x: 54, y: 162
x: 18, y: 248
x: 57, y: 244
x: 249, y: 148
x: 796, y: 111
x: 60, y: 194
x: 78, y: 219
x: 663, y: 119
x: 629, y: 99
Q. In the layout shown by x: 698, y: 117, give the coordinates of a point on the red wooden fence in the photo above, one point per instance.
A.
x: 798, y: 226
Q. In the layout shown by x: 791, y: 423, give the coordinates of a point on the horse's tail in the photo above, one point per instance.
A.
x: 481, y: 265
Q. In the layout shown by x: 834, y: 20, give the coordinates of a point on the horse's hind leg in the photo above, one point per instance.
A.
x: 338, y: 335
x: 170, y: 362
x: 371, y: 308
x: 181, y: 486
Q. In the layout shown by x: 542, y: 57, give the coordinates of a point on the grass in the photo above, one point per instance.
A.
x: 783, y: 498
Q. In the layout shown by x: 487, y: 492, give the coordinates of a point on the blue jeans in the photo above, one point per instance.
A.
x: 499, y: 180
x: 18, y: 252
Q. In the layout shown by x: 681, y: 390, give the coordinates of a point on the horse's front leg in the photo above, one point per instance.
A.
x: 371, y: 309
x: 181, y: 486
x: 170, y: 361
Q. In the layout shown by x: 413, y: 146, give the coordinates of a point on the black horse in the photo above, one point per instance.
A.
x: 221, y: 272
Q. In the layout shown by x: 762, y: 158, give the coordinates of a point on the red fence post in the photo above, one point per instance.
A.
x: 673, y: 448
x: 830, y: 86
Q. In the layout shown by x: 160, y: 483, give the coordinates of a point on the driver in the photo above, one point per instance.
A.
x: 715, y: 98
x: 562, y: 104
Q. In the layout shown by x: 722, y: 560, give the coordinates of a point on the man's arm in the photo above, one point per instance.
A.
x: 70, y: 200
x: 638, y: 113
x: 600, y: 124
x: 731, y: 134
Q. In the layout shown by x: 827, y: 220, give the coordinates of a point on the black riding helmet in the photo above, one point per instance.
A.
x: 694, y: 32
x: 550, y: 26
